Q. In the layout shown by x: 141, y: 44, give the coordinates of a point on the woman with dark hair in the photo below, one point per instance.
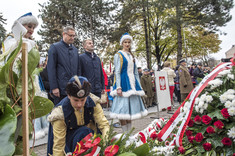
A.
x: 127, y: 91
x: 74, y: 117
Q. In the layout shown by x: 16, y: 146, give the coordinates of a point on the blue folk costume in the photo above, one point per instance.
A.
x: 74, y: 132
x: 129, y: 106
x: 69, y: 125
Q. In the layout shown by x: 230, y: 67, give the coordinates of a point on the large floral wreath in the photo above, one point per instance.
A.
x: 203, y: 125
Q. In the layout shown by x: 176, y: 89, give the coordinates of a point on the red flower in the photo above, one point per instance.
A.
x: 206, y: 119
x: 91, y: 143
x: 233, y: 154
x: 190, y: 123
x: 224, y: 112
x: 226, y: 141
x: 169, y: 108
x: 80, y: 147
x: 210, y: 130
x: 191, y: 138
x: 199, y: 137
x: 197, y: 118
x: 181, y: 149
x: 219, y: 124
x: 111, y: 150
x: 188, y: 133
x: 153, y: 135
x: 207, y: 146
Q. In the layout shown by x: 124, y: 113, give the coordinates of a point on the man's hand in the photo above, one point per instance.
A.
x: 119, y: 92
x: 56, y: 92
x: 103, y: 91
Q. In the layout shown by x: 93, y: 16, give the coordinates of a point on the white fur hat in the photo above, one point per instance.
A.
x: 26, y: 19
x: 126, y: 36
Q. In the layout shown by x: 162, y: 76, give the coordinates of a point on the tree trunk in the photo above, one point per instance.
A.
x: 146, y: 36
x: 179, y: 32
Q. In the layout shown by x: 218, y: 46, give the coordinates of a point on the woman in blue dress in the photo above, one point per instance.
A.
x: 127, y: 91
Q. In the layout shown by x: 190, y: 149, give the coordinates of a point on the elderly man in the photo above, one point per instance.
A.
x: 75, y: 117
x: 198, y: 72
x: 63, y: 63
x: 186, y: 84
x: 147, y: 85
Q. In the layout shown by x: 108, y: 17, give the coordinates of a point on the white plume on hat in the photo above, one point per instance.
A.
x: 126, y: 36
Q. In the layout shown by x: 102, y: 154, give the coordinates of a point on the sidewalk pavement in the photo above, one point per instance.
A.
x: 40, y: 147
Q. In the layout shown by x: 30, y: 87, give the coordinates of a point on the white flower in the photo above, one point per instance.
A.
x: 223, y: 98
x: 230, y: 97
x: 203, y: 97
x: 215, y: 83
x: 231, y: 132
x: 197, y: 108
x: 196, y: 101
x: 231, y: 76
x: 201, y: 110
x: 231, y: 111
x: 224, y: 72
x: 201, y: 103
x: 205, y: 106
x: 228, y: 104
x: 209, y: 99
x: 233, y: 103
x: 230, y: 91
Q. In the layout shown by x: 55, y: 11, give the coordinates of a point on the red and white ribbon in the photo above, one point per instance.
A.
x: 95, y: 151
x: 185, y: 116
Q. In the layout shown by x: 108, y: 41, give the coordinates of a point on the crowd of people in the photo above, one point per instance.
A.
x: 75, y: 82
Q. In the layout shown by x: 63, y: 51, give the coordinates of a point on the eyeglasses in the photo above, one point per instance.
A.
x: 71, y: 35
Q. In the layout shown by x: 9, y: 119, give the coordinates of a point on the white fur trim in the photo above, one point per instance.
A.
x: 128, y: 116
x: 28, y: 19
x: 56, y: 114
x: 128, y: 93
x: 131, y: 76
x: 125, y: 37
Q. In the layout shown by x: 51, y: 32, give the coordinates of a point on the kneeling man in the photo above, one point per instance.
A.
x: 75, y: 117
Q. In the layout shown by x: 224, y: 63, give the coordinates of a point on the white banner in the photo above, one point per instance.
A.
x: 162, y: 89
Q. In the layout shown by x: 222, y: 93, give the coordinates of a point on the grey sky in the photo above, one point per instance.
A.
x: 13, y: 9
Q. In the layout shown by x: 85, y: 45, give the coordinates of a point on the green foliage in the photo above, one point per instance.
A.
x: 10, y: 98
x: 42, y: 106
x: 2, y: 29
x: 7, y: 130
x: 142, y: 150
x: 90, y: 18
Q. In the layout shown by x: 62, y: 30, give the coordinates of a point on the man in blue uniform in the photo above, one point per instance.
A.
x: 75, y: 117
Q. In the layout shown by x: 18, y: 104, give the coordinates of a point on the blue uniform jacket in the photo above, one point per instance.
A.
x: 73, y: 130
x: 63, y: 63
x: 91, y: 69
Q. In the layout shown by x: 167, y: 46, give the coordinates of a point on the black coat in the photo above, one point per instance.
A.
x: 45, y: 79
x: 198, y: 73
x: 91, y: 69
